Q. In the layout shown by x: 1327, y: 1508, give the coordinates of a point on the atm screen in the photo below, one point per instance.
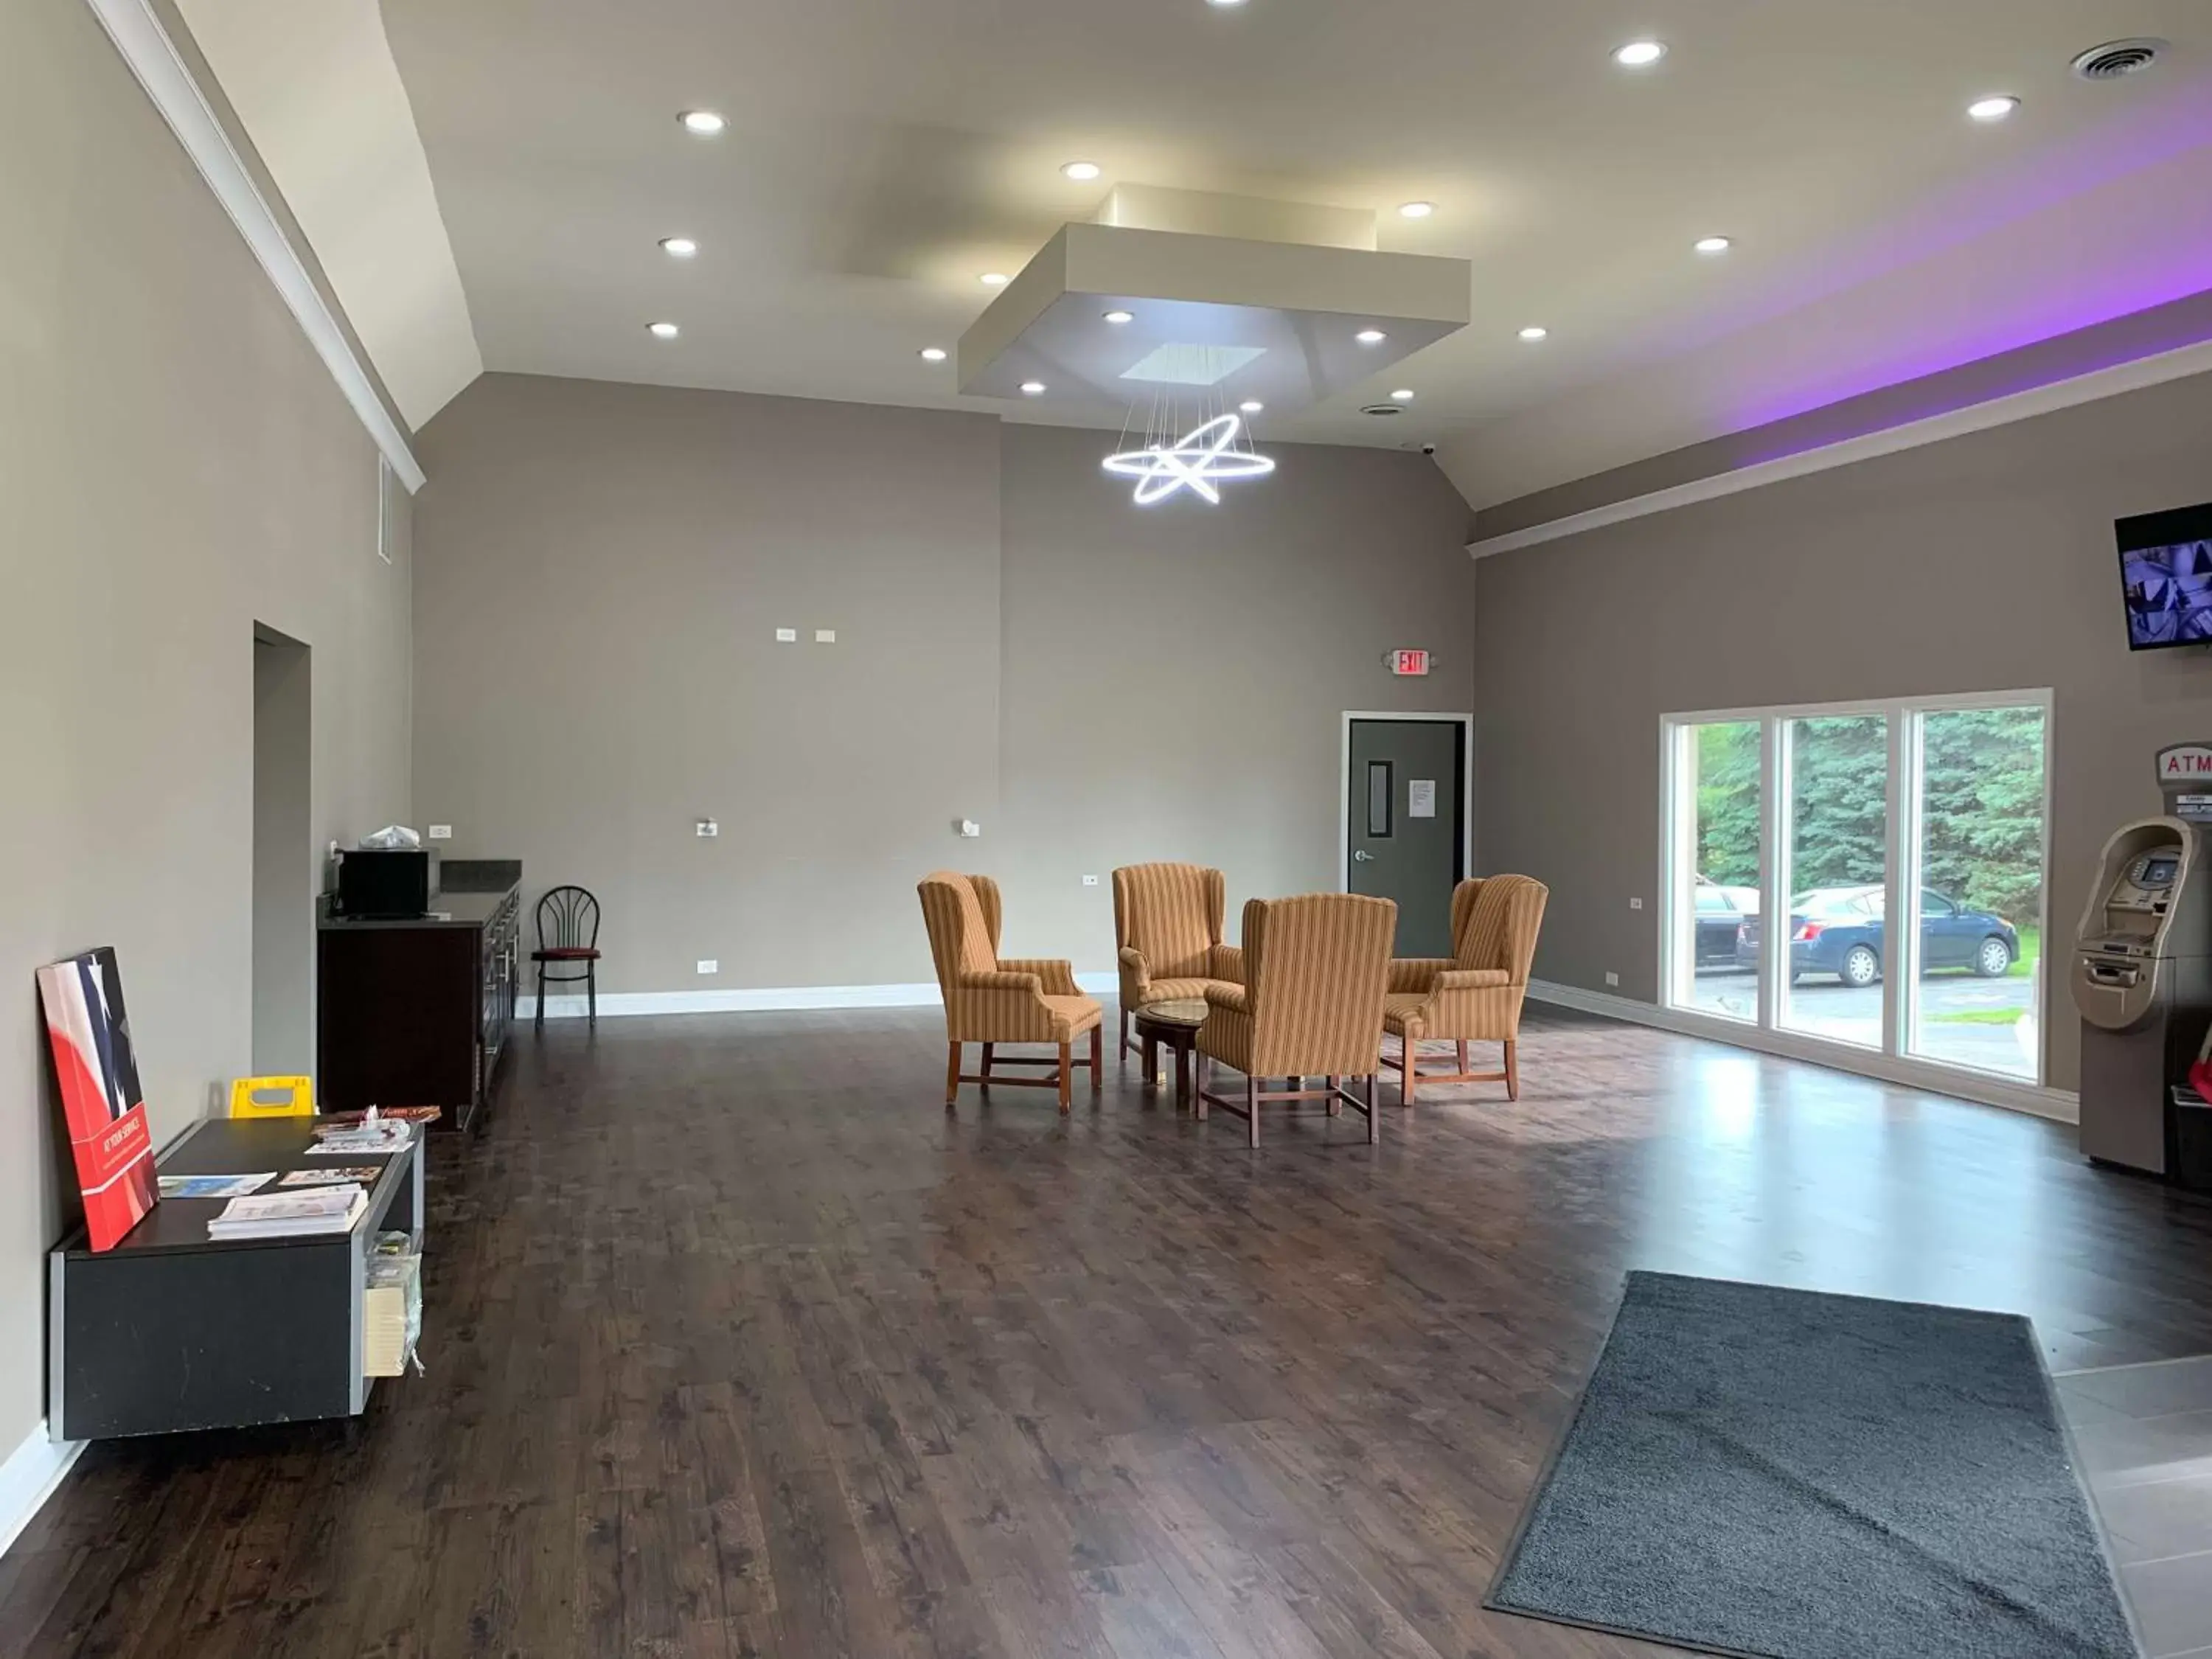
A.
x: 2159, y: 873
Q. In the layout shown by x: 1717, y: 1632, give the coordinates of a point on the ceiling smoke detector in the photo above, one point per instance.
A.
x: 1381, y: 409
x: 2117, y: 59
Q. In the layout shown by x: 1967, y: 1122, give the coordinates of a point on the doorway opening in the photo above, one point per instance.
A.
x: 285, y: 865
x: 1406, y: 819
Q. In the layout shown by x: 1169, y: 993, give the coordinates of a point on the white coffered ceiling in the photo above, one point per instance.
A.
x: 881, y: 155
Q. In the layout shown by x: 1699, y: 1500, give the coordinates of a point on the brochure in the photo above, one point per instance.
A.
x: 214, y: 1186
x: 365, y: 1175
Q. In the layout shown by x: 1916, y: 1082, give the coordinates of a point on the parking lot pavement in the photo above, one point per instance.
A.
x: 1820, y: 1006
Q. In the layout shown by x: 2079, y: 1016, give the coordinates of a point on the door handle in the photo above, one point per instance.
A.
x: 1363, y: 858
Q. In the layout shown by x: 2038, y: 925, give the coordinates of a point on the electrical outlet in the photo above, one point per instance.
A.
x: 825, y: 636
x: 786, y: 637
x: 1636, y: 905
x: 1613, y: 979
x: 709, y: 965
x: 708, y: 829
x: 441, y: 832
x: 1090, y: 881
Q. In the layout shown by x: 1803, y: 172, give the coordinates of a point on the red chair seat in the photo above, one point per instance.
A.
x: 566, y: 953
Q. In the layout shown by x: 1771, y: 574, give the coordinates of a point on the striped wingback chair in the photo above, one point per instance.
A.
x: 1315, y: 968
x: 1476, y: 995
x: 991, y: 1001
x: 1167, y: 936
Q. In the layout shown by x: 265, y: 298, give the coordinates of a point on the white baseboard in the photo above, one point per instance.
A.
x: 2058, y: 1104
x: 28, y: 1478
x: 765, y: 1000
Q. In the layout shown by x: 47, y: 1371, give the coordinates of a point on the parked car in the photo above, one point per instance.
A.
x: 1838, y: 930
x: 1719, y: 919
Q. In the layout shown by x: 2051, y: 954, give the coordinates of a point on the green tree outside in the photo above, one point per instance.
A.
x: 1983, y: 810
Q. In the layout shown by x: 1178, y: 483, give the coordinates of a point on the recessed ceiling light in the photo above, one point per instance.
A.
x: 1370, y: 337
x: 996, y: 279
x: 662, y: 330
x: 679, y: 248
x: 1224, y: 3
x: 1081, y: 171
x: 1534, y: 333
x: 1251, y: 405
x: 1713, y: 243
x: 704, y: 122
x: 1416, y: 209
x: 1640, y: 54
x: 933, y: 354
x: 1401, y: 396
x: 1118, y: 316
x: 1032, y: 388
x: 1993, y: 109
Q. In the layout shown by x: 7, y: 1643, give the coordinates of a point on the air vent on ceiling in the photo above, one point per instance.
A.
x: 2116, y: 58
x: 1383, y: 408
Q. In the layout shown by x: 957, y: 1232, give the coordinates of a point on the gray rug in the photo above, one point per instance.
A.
x: 1795, y: 1476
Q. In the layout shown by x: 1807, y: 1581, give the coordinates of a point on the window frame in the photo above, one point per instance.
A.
x: 1894, y: 1056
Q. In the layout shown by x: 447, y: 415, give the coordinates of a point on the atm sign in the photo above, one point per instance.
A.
x: 1409, y: 662
x: 2185, y: 763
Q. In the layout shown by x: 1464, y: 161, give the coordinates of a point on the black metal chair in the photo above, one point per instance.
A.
x: 568, y: 932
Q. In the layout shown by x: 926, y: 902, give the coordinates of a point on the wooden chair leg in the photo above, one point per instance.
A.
x: 1201, y: 1068
x: 1373, y: 1118
x: 1098, y: 1056
x: 1512, y: 1073
x: 989, y: 1048
x: 592, y: 993
x: 1066, y: 1070
x: 1462, y: 1056
x: 540, y: 1020
x: 951, y: 1075
x: 1335, y: 1106
x: 1122, y: 1059
x: 1409, y: 1053
x: 1252, y: 1111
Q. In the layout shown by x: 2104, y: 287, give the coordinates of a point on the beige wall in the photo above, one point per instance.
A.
x: 603, y: 570
x: 1983, y: 564
x: 175, y: 465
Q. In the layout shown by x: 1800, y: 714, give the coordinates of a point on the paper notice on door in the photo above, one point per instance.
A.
x: 1421, y: 798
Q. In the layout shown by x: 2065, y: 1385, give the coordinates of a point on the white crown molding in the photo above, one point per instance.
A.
x: 1983, y: 1089
x: 623, y: 1004
x: 140, y: 35
x: 28, y: 1478
x: 2097, y: 385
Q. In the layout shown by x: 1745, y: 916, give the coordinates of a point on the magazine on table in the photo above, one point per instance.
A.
x: 214, y: 1186
x: 361, y: 1175
x: 284, y: 1215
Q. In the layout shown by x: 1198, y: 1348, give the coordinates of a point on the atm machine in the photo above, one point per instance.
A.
x: 2143, y: 979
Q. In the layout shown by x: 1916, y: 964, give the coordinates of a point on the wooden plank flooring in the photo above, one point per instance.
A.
x: 739, y: 1344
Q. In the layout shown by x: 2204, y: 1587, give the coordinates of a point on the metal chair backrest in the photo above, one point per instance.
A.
x: 567, y: 920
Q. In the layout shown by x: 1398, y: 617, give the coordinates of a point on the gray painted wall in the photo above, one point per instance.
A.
x: 1983, y: 564
x: 175, y: 465
x: 603, y: 570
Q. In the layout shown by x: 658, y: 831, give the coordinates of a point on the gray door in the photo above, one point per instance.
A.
x: 1405, y: 839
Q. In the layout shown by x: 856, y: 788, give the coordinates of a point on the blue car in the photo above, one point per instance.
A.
x: 1837, y: 930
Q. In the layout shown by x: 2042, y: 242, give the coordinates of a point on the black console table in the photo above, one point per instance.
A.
x: 173, y: 1330
x: 414, y: 1011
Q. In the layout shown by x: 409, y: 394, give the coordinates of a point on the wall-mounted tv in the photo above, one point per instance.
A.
x: 2166, y: 570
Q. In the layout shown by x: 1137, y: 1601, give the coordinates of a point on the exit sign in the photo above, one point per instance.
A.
x: 1409, y: 662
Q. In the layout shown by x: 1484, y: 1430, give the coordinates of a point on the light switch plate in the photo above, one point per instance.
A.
x: 1090, y: 881
x: 1636, y: 905
x: 708, y: 829
x: 1613, y: 979
x: 441, y: 832
x: 825, y: 636
x: 709, y: 965
x: 786, y: 637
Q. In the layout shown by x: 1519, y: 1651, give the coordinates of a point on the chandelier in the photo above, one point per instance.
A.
x: 1197, y: 444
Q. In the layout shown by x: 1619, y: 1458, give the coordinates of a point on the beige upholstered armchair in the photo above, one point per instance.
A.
x: 990, y: 1001
x: 1167, y: 930
x: 1476, y: 995
x: 1312, y: 1005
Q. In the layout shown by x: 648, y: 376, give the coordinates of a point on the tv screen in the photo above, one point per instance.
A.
x: 2165, y: 571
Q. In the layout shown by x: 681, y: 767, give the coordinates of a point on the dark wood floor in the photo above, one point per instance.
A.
x: 739, y: 1344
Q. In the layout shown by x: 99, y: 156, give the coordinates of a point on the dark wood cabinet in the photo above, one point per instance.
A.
x: 415, y: 1011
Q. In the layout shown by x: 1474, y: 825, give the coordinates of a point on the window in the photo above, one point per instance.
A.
x: 1717, y: 870
x: 1930, y: 807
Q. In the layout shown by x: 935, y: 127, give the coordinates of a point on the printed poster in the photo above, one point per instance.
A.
x: 101, y: 1102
